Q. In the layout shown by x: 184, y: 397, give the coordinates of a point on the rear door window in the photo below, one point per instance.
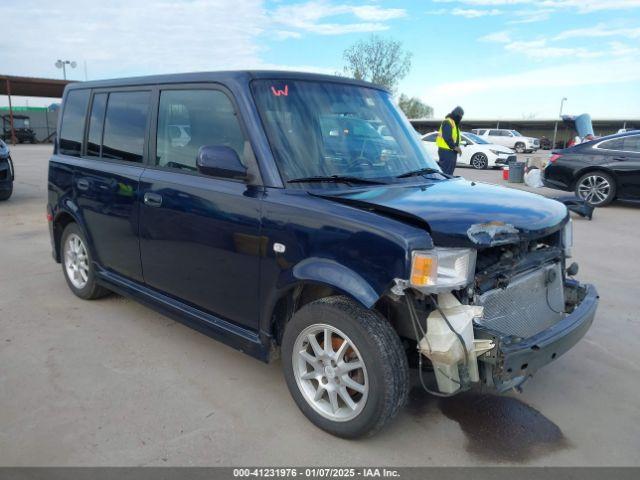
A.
x: 632, y: 144
x: 125, y: 126
x: 72, y: 128
x: 495, y: 133
x: 614, y: 144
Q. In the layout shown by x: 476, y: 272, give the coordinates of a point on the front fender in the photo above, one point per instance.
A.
x: 336, y: 275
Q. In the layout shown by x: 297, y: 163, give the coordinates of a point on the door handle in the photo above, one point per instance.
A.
x: 152, y: 199
x: 83, y: 184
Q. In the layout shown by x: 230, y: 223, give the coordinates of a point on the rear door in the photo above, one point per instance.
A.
x: 623, y: 157
x: 199, y: 235
x: 106, y: 176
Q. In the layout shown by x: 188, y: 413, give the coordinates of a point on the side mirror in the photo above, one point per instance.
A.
x: 220, y: 161
x: 464, y: 143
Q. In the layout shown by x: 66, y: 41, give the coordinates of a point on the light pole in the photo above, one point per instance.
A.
x: 62, y: 64
x: 555, y: 129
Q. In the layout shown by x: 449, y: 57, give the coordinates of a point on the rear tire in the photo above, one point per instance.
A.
x: 77, y: 264
x: 596, y: 188
x: 360, y: 382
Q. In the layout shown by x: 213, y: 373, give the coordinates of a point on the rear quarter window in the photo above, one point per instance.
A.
x: 73, y: 117
x: 96, y: 124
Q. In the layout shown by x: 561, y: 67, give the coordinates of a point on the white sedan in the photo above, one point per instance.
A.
x: 476, y: 151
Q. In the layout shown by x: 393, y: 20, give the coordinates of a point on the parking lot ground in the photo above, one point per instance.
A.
x: 111, y: 382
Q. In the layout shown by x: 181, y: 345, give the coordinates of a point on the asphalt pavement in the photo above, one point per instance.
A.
x: 111, y: 382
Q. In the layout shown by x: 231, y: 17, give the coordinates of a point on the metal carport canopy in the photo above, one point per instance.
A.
x: 29, y: 87
x: 32, y: 87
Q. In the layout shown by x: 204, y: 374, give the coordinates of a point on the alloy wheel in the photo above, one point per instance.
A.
x: 330, y: 372
x: 594, y: 189
x: 76, y: 261
x: 479, y: 161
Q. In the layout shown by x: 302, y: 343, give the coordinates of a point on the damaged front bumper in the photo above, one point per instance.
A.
x: 513, y: 361
x: 6, y: 173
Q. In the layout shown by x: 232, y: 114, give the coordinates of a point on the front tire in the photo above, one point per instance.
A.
x: 519, y: 147
x: 78, y: 266
x: 479, y: 161
x: 345, y: 367
x: 5, y: 194
x: 598, y: 189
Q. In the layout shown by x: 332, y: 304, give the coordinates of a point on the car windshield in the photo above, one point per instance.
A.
x: 324, y: 129
x: 516, y: 134
x: 476, y: 139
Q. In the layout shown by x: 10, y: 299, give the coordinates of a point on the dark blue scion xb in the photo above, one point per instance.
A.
x: 296, y: 216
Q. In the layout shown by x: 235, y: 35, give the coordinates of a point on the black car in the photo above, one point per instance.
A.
x: 285, y: 225
x: 6, y: 172
x: 598, y: 171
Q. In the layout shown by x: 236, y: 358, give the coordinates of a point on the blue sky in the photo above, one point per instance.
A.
x: 496, y: 58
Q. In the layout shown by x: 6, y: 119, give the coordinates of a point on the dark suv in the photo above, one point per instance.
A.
x: 279, y: 223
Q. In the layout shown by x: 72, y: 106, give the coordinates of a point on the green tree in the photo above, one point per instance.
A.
x: 378, y: 60
x: 413, y: 107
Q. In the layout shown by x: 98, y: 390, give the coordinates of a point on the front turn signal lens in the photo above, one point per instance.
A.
x: 424, y: 269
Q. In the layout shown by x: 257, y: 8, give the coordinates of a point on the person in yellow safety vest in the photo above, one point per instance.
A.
x: 448, y: 141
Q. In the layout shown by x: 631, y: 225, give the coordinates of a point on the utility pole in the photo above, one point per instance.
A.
x: 13, y: 132
x: 555, y: 128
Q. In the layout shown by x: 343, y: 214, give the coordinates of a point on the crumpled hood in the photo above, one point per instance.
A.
x: 461, y: 213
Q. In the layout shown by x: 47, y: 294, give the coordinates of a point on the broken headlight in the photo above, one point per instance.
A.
x: 442, y: 269
x: 567, y: 238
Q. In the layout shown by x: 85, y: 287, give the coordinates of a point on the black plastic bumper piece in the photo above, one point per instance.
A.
x: 520, y: 360
x: 6, y: 173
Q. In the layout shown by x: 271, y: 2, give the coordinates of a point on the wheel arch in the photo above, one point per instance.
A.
x: 60, y: 221
x: 313, y: 279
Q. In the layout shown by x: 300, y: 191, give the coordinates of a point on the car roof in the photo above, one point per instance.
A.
x: 595, y: 141
x: 616, y: 135
x: 220, y: 77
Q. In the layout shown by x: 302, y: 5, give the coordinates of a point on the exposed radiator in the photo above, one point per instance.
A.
x: 529, y: 304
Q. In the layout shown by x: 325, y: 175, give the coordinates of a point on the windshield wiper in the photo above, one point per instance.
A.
x: 420, y: 171
x: 336, y: 179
